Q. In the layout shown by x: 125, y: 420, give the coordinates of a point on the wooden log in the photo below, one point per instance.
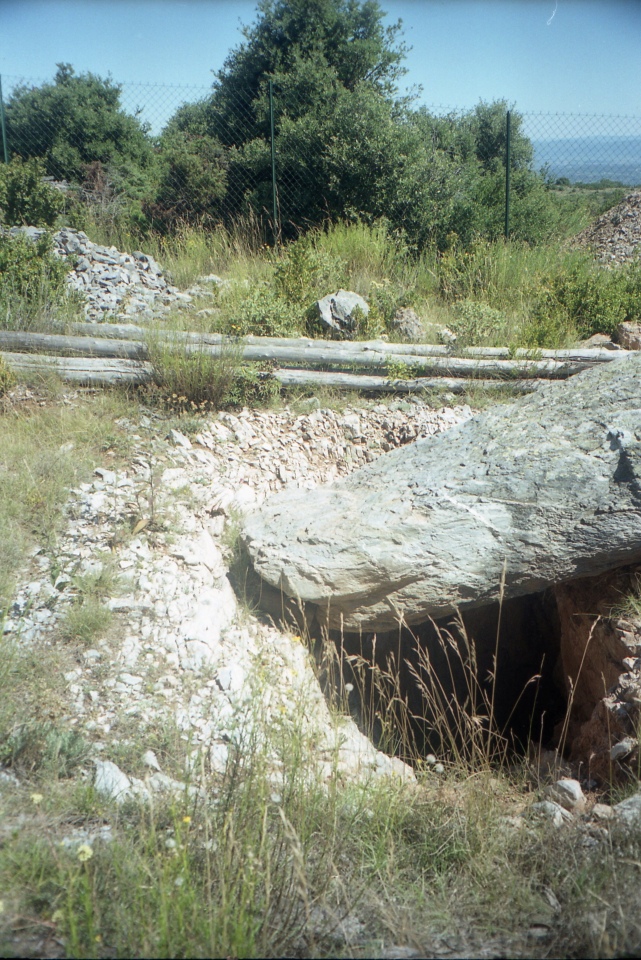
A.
x: 369, y: 384
x: 96, y: 372
x: 17, y: 341
x: 306, y: 356
x: 124, y: 331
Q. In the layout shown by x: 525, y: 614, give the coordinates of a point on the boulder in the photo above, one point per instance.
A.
x: 337, y: 311
x: 629, y: 335
x: 533, y: 493
x: 407, y: 324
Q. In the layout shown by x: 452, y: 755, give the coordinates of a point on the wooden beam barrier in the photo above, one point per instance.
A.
x: 305, y: 356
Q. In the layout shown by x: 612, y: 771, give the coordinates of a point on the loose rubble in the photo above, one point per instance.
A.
x: 615, y: 236
x: 117, y: 285
x: 184, y: 652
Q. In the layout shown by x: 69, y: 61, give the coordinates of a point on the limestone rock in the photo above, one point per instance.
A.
x: 111, y: 782
x: 615, y: 236
x: 628, y: 811
x: 545, y: 489
x: 568, y: 794
x: 407, y: 324
x: 629, y: 336
x: 336, y: 311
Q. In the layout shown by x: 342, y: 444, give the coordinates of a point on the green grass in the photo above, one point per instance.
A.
x: 254, y: 867
x: 45, y: 450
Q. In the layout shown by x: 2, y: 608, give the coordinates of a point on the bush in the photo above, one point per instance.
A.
x: 476, y: 323
x: 584, y: 301
x: 184, y: 377
x: 192, y: 183
x: 306, y: 272
x: 196, y: 382
x: 263, y: 313
x: 73, y: 121
x: 26, y: 266
x: 24, y: 197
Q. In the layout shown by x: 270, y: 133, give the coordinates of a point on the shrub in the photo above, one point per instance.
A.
x: 24, y: 197
x: 192, y: 183
x: 263, y: 313
x: 475, y: 323
x: 251, y: 386
x: 190, y: 376
x: 73, y: 121
x: 587, y: 301
x: 27, y: 265
x: 307, y: 272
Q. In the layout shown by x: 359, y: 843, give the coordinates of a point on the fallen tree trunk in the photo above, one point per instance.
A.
x: 101, y: 371
x: 540, y: 491
x: 95, y: 372
x: 367, y: 384
x: 305, y: 356
x: 125, y: 331
x: 17, y: 341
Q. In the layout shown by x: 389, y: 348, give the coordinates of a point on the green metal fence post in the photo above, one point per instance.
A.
x: 271, y: 119
x: 4, y: 129
x: 508, y: 168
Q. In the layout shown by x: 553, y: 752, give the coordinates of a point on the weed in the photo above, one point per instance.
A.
x: 7, y: 379
x: 86, y: 620
x: 45, y: 748
x: 186, y: 374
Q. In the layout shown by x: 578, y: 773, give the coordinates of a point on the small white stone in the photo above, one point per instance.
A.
x: 150, y: 759
x: 231, y: 678
x: 111, y: 782
x: 568, y: 794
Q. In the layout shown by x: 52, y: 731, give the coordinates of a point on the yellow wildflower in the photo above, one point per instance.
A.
x: 84, y: 852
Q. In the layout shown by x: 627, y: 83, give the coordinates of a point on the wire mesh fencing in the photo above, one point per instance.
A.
x: 198, y: 154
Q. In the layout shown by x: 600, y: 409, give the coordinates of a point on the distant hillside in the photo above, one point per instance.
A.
x: 588, y: 159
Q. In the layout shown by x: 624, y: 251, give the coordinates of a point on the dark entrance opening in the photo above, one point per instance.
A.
x: 490, y: 679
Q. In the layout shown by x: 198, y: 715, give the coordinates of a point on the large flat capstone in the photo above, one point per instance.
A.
x: 547, y: 489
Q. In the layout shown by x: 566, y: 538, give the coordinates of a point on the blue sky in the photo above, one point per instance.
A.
x: 577, y: 56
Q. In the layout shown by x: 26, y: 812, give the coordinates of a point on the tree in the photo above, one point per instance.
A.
x: 75, y: 121
x: 192, y: 181
x: 346, y: 39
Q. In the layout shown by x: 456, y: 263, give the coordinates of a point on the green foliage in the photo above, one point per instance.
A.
x: 587, y: 301
x: 28, y: 267
x: 192, y: 182
x: 252, y: 386
x: 185, y: 376
x: 399, y: 370
x: 86, y: 620
x: 7, y: 378
x: 45, y: 748
x: 476, y: 323
x: 24, y: 197
x: 263, y: 313
x: 74, y: 121
x: 306, y: 271
x: 345, y: 39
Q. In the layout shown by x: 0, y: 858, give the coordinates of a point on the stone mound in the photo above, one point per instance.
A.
x: 126, y: 286
x: 615, y: 236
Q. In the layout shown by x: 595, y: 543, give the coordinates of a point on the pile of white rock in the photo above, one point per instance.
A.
x: 115, y: 285
x: 615, y: 237
x: 183, y: 651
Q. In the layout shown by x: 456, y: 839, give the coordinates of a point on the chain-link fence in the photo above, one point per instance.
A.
x: 190, y: 154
